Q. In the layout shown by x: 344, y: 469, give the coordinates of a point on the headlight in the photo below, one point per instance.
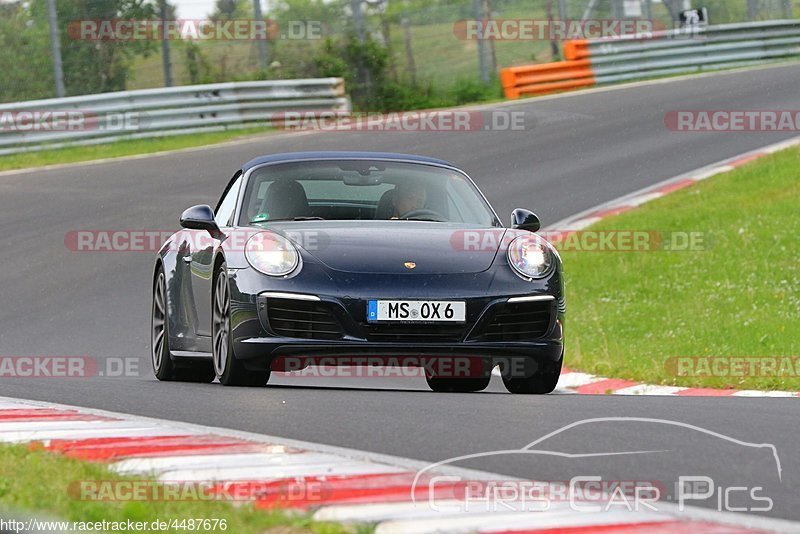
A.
x: 271, y: 254
x: 530, y: 256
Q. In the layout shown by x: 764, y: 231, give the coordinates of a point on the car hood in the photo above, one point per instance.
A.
x: 391, y: 247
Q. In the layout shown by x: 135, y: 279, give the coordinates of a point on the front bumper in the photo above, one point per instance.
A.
x: 463, y: 359
x: 474, y: 345
x: 260, y: 339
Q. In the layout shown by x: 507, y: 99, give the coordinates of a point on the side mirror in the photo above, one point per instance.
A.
x: 201, y: 218
x: 525, y: 220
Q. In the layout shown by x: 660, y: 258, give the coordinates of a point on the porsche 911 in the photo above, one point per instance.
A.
x: 357, y: 256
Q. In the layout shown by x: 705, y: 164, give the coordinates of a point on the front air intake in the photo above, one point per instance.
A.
x: 517, y: 321
x: 302, y: 319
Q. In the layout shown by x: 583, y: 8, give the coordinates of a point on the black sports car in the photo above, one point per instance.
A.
x: 357, y: 258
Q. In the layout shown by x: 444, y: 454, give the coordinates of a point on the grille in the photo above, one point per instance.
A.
x: 302, y: 319
x: 414, y: 332
x: 519, y: 321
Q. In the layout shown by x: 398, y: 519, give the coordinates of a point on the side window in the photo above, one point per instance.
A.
x: 227, y: 206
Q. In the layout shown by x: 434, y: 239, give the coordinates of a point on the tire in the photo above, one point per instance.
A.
x: 163, y: 366
x: 457, y: 384
x: 540, y: 383
x: 230, y: 370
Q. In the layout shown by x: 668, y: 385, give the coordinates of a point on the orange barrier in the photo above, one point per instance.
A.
x: 576, y: 49
x: 574, y: 73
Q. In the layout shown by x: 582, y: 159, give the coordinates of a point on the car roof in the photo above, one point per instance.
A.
x: 334, y: 155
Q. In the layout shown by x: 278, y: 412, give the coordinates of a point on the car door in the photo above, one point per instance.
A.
x: 202, y: 258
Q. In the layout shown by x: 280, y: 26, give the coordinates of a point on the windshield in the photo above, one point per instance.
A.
x: 363, y: 189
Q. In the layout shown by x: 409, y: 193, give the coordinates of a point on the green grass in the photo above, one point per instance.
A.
x: 36, y: 482
x: 631, y: 313
x: 121, y: 148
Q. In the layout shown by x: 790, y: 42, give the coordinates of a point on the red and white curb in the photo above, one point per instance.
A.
x: 359, y: 487
x: 575, y: 382
x: 586, y: 384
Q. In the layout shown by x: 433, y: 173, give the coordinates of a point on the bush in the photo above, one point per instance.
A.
x: 465, y: 91
x: 365, y: 68
x: 398, y: 96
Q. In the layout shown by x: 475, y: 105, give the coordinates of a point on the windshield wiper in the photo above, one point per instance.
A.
x: 422, y: 219
x: 258, y: 221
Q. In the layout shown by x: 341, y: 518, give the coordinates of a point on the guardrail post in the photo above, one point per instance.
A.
x: 165, y: 45
x: 55, y: 45
x: 482, y: 67
x: 752, y: 9
x: 263, y: 57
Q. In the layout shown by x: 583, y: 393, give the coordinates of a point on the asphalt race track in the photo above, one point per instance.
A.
x: 575, y: 152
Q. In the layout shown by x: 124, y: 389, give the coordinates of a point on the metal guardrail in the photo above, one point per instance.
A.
x: 92, y: 119
x: 634, y: 57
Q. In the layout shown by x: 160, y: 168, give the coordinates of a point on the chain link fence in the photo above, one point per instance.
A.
x: 422, y: 38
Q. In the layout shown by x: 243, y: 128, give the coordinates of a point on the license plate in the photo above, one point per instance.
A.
x: 428, y: 311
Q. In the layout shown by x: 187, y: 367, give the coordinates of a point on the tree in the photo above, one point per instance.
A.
x: 25, y: 64
x: 232, y: 10
x: 95, y: 66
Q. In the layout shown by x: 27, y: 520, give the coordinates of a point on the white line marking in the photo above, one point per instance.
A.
x: 15, y: 406
x: 755, y: 393
x: 219, y: 461
x: 339, y: 468
x: 134, y: 431
x: 643, y: 199
x: 44, y: 426
x: 374, y: 512
x: 516, y: 521
x: 647, y: 389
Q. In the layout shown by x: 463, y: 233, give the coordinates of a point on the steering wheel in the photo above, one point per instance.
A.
x: 424, y: 213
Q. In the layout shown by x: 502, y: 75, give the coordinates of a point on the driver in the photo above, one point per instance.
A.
x: 408, y: 197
